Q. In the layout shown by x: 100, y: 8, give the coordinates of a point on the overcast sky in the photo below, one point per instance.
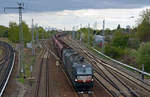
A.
x: 57, y: 5
x: 68, y: 13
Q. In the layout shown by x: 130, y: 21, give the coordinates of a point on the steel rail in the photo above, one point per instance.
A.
x: 115, y: 76
x: 9, y: 68
x: 135, y: 69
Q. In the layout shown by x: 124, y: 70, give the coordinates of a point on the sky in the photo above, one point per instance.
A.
x: 79, y: 13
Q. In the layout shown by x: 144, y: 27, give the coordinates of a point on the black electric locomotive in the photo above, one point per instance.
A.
x: 79, y: 71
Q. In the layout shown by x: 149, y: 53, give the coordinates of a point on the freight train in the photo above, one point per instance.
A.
x: 79, y: 71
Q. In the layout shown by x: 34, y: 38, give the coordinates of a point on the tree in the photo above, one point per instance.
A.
x: 84, y: 33
x: 13, y: 32
x: 116, y: 48
x: 143, y: 56
x: 118, y: 27
x: 41, y: 32
x: 113, y: 51
x: 120, y: 39
x: 143, y: 30
x: 26, y: 33
x: 3, y: 31
x: 108, y: 32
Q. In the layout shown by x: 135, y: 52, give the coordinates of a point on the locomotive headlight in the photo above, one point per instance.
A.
x: 92, y: 79
x: 76, y: 80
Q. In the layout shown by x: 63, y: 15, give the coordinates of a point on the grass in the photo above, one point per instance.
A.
x: 21, y: 80
x: 28, y: 61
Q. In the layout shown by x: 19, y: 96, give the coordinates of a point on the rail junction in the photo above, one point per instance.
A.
x: 116, y: 81
x: 111, y: 81
x: 52, y: 81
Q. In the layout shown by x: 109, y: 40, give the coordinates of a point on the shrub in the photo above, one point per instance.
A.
x: 143, y: 56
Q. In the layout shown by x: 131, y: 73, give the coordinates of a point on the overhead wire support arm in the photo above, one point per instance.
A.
x: 21, y: 6
x: 10, y: 8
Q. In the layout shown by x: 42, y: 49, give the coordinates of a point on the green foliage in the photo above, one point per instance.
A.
x: 113, y: 51
x: 143, y: 30
x: 145, y: 14
x: 26, y: 33
x: 108, y: 32
x: 13, y: 32
x: 116, y: 48
x: 22, y: 80
x: 3, y: 31
x: 143, y: 56
x: 133, y: 43
x: 42, y: 32
x: 129, y: 57
x: 53, y: 32
x: 120, y: 39
x: 85, y: 36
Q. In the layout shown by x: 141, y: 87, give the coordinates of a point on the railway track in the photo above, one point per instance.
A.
x: 47, y: 89
x: 43, y: 73
x: 4, y: 56
x: 77, y: 94
x: 142, y: 88
x: 61, y: 67
x: 112, y: 77
x: 102, y: 76
x: 36, y: 94
x: 47, y: 79
x: 6, y: 65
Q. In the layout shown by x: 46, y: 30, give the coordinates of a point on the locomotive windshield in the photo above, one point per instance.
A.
x: 84, y: 70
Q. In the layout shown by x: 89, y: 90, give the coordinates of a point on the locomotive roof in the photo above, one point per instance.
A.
x: 77, y: 59
x: 81, y: 66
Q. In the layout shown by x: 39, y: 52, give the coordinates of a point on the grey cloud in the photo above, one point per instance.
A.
x: 57, y: 5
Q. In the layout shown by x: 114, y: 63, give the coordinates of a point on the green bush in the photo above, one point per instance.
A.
x: 13, y: 32
x: 84, y: 33
x: 143, y: 29
x: 129, y: 57
x: 143, y: 56
x: 120, y: 39
x: 113, y: 51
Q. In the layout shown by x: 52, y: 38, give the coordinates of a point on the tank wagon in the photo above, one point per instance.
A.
x: 79, y: 71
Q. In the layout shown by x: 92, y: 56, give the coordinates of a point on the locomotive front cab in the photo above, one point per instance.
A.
x: 84, y: 78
